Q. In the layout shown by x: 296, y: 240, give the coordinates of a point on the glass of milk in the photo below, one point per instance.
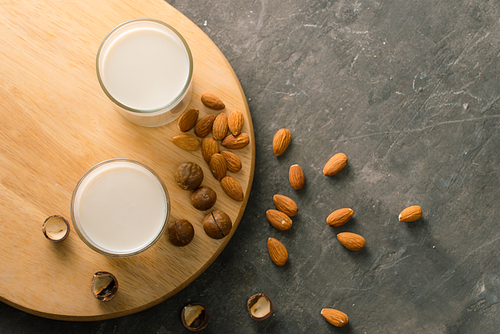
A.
x: 120, y: 208
x: 145, y: 67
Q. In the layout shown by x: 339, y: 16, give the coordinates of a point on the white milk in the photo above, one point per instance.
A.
x: 120, y: 206
x: 145, y: 67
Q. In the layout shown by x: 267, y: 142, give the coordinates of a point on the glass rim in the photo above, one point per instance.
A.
x: 87, y: 240
x: 186, y: 84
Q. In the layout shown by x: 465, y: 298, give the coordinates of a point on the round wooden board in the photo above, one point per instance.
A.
x: 57, y: 123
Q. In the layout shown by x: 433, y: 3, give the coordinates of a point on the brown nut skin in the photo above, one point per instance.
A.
x: 235, y: 122
x: 351, y: 241
x: 199, y: 323
x: 335, y: 317
x: 211, y: 101
x: 286, y: 205
x: 281, y: 141
x: 188, y: 120
x: 209, y: 146
x: 203, y: 198
x: 251, y: 302
x: 189, y: 176
x: 204, y: 126
x: 217, y: 224
x: 233, y: 162
x: 335, y: 164
x: 410, y: 214
x: 180, y: 232
x: 339, y: 217
x: 277, y: 252
x: 279, y: 220
x: 296, y: 177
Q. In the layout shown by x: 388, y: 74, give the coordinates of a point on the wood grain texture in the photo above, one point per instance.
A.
x: 57, y: 123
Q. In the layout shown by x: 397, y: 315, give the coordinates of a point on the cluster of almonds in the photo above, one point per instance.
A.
x: 286, y: 208
x: 189, y: 175
x: 224, y: 128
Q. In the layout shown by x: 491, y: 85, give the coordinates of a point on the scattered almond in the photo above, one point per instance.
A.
x: 186, y: 142
x: 410, y: 214
x: 277, y: 252
x: 278, y: 220
x: 209, y: 147
x: 296, y: 177
x: 281, y: 141
x: 232, y: 188
x: 218, y: 166
x: 211, y: 101
x: 219, y: 128
x: 285, y: 204
x: 236, y: 142
x: 204, y: 126
x: 188, y: 119
x: 335, y: 164
x: 339, y: 217
x: 232, y: 161
x: 235, y: 122
x: 335, y: 317
x: 351, y: 241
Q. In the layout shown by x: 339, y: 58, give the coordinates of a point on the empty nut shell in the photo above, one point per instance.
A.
x: 195, y: 317
x: 259, y: 306
x: 55, y: 228
x: 104, y: 286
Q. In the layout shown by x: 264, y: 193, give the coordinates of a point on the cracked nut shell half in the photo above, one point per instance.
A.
x: 217, y: 224
x: 259, y: 306
x: 195, y: 317
x: 104, y: 286
x: 55, y: 228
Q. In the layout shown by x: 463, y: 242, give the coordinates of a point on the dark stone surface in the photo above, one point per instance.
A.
x: 409, y: 91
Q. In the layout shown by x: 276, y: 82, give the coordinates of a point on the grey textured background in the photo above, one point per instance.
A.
x: 408, y: 90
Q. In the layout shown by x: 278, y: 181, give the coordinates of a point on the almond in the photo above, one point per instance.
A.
x: 410, y: 214
x: 335, y: 164
x: 209, y: 147
x: 351, y: 241
x: 296, y: 177
x: 235, y: 122
x: 285, y: 205
x: 278, y: 220
x: 335, y: 317
x: 218, y: 166
x: 339, y: 217
x: 236, y: 142
x: 232, y: 188
x: 219, y: 129
x: 211, y: 101
x: 188, y: 119
x: 204, y: 126
x: 186, y: 142
x: 277, y: 252
x: 281, y: 141
x: 232, y: 161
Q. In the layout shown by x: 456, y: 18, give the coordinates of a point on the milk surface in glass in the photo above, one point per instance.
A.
x: 146, y: 67
x: 120, y: 207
